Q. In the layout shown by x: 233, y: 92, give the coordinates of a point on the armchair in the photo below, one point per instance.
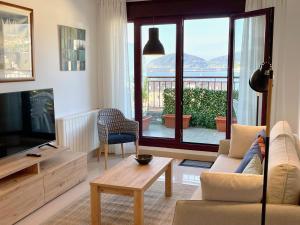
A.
x: 114, y: 128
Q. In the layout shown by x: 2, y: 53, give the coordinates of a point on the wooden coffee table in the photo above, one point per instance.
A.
x: 130, y: 179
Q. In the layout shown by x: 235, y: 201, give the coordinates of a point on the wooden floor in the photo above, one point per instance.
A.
x: 184, y: 175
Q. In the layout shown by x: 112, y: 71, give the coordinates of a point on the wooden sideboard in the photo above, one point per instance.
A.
x: 27, y: 183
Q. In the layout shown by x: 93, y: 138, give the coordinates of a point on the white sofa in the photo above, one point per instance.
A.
x: 228, y: 198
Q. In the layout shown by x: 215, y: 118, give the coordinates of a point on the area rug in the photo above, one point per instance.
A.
x: 118, y: 210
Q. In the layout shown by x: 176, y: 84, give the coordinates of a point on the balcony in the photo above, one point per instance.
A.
x: 201, y: 128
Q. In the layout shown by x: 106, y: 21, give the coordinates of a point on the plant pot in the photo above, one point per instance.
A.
x: 146, y: 122
x: 221, y: 123
x: 170, y: 120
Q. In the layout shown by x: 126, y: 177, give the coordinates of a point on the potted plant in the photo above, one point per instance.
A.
x: 146, y: 122
x: 170, y: 120
x: 221, y: 123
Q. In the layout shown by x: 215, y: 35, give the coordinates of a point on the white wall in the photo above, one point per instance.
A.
x: 292, y: 65
x: 288, y: 98
x: 74, y: 91
x: 77, y: 91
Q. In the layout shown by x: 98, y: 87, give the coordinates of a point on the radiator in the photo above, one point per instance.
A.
x: 78, y: 132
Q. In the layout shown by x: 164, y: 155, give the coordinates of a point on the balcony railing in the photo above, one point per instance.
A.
x: 157, y: 84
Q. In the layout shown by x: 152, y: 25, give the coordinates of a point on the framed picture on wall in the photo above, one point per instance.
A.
x: 16, y: 43
x: 72, y: 48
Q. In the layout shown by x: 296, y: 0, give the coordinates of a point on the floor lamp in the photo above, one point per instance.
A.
x: 262, y: 82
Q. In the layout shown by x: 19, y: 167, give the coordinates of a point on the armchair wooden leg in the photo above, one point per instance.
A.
x: 106, y: 154
x: 122, y: 148
x: 137, y: 148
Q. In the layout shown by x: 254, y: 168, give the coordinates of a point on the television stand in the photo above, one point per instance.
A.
x: 48, y: 144
x: 28, y: 183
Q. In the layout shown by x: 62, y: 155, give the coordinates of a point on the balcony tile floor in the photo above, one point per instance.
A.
x: 191, y: 134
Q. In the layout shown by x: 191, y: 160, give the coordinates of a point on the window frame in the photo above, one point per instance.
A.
x: 177, y: 142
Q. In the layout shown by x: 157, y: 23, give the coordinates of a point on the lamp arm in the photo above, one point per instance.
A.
x: 269, y: 103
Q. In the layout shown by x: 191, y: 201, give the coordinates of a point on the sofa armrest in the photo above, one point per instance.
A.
x: 224, y: 146
x: 197, y: 212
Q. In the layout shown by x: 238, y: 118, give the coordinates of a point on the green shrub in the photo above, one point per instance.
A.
x: 204, y: 105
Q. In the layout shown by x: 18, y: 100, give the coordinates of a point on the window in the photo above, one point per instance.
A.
x: 189, y: 97
x: 205, y: 76
x: 158, y: 77
x: 249, y: 53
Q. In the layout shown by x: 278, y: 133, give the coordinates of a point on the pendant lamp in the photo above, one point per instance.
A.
x: 153, y: 46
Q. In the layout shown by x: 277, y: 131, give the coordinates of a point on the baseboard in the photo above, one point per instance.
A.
x: 179, y: 153
x: 172, y: 153
x: 92, y: 154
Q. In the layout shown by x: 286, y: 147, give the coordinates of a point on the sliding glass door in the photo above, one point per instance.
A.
x: 189, y: 97
x: 159, y: 84
x: 252, y: 45
x: 205, y: 77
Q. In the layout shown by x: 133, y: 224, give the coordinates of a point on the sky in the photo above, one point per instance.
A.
x: 205, y: 38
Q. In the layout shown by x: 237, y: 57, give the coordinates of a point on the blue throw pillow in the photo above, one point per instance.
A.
x: 262, y: 134
x: 254, y: 149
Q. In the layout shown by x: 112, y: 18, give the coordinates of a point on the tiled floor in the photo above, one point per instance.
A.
x: 184, y: 175
x: 191, y: 134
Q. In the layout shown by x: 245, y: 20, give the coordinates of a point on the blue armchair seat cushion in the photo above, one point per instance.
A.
x: 118, y: 138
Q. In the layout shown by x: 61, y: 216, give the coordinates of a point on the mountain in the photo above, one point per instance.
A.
x: 219, y: 62
x: 191, y: 63
x: 167, y: 63
x: 223, y: 60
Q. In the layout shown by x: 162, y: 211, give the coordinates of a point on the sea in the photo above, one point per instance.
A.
x: 222, y: 73
x: 208, y: 76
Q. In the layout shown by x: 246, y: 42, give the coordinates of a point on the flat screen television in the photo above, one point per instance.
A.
x: 27, y: 120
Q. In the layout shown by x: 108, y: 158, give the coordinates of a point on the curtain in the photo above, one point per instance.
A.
x: 113, y: 70
x: 113, y: 64
x: 252, y: 55
x: 279, y: 59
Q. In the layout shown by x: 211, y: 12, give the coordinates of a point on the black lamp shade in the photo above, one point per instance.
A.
x: 259, y: 80
x: 153, y: 46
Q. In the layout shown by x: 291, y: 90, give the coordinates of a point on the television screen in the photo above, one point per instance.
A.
x: 26, y: 120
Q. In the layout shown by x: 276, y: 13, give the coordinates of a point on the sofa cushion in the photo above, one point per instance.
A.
x: 242, y: 137
x: 233, y: 187
x: 284, y: 166
x: 297, y: 144
x: 280, y: 128
x: 254, y: 166
x: 225, y: 164
x: 255, y: 149
x: 224, y: 146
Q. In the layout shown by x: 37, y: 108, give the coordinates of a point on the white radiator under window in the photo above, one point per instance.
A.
x: 79, y: 132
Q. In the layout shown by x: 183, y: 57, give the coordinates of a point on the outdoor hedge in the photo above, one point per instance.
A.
x: 204, y: 105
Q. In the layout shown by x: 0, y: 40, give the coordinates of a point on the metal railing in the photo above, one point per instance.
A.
x: 156, y: 85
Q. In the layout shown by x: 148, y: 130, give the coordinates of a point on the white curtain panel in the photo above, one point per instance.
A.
x: 113, y: 69
x: 278, y: 102
x: 252, y: 55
